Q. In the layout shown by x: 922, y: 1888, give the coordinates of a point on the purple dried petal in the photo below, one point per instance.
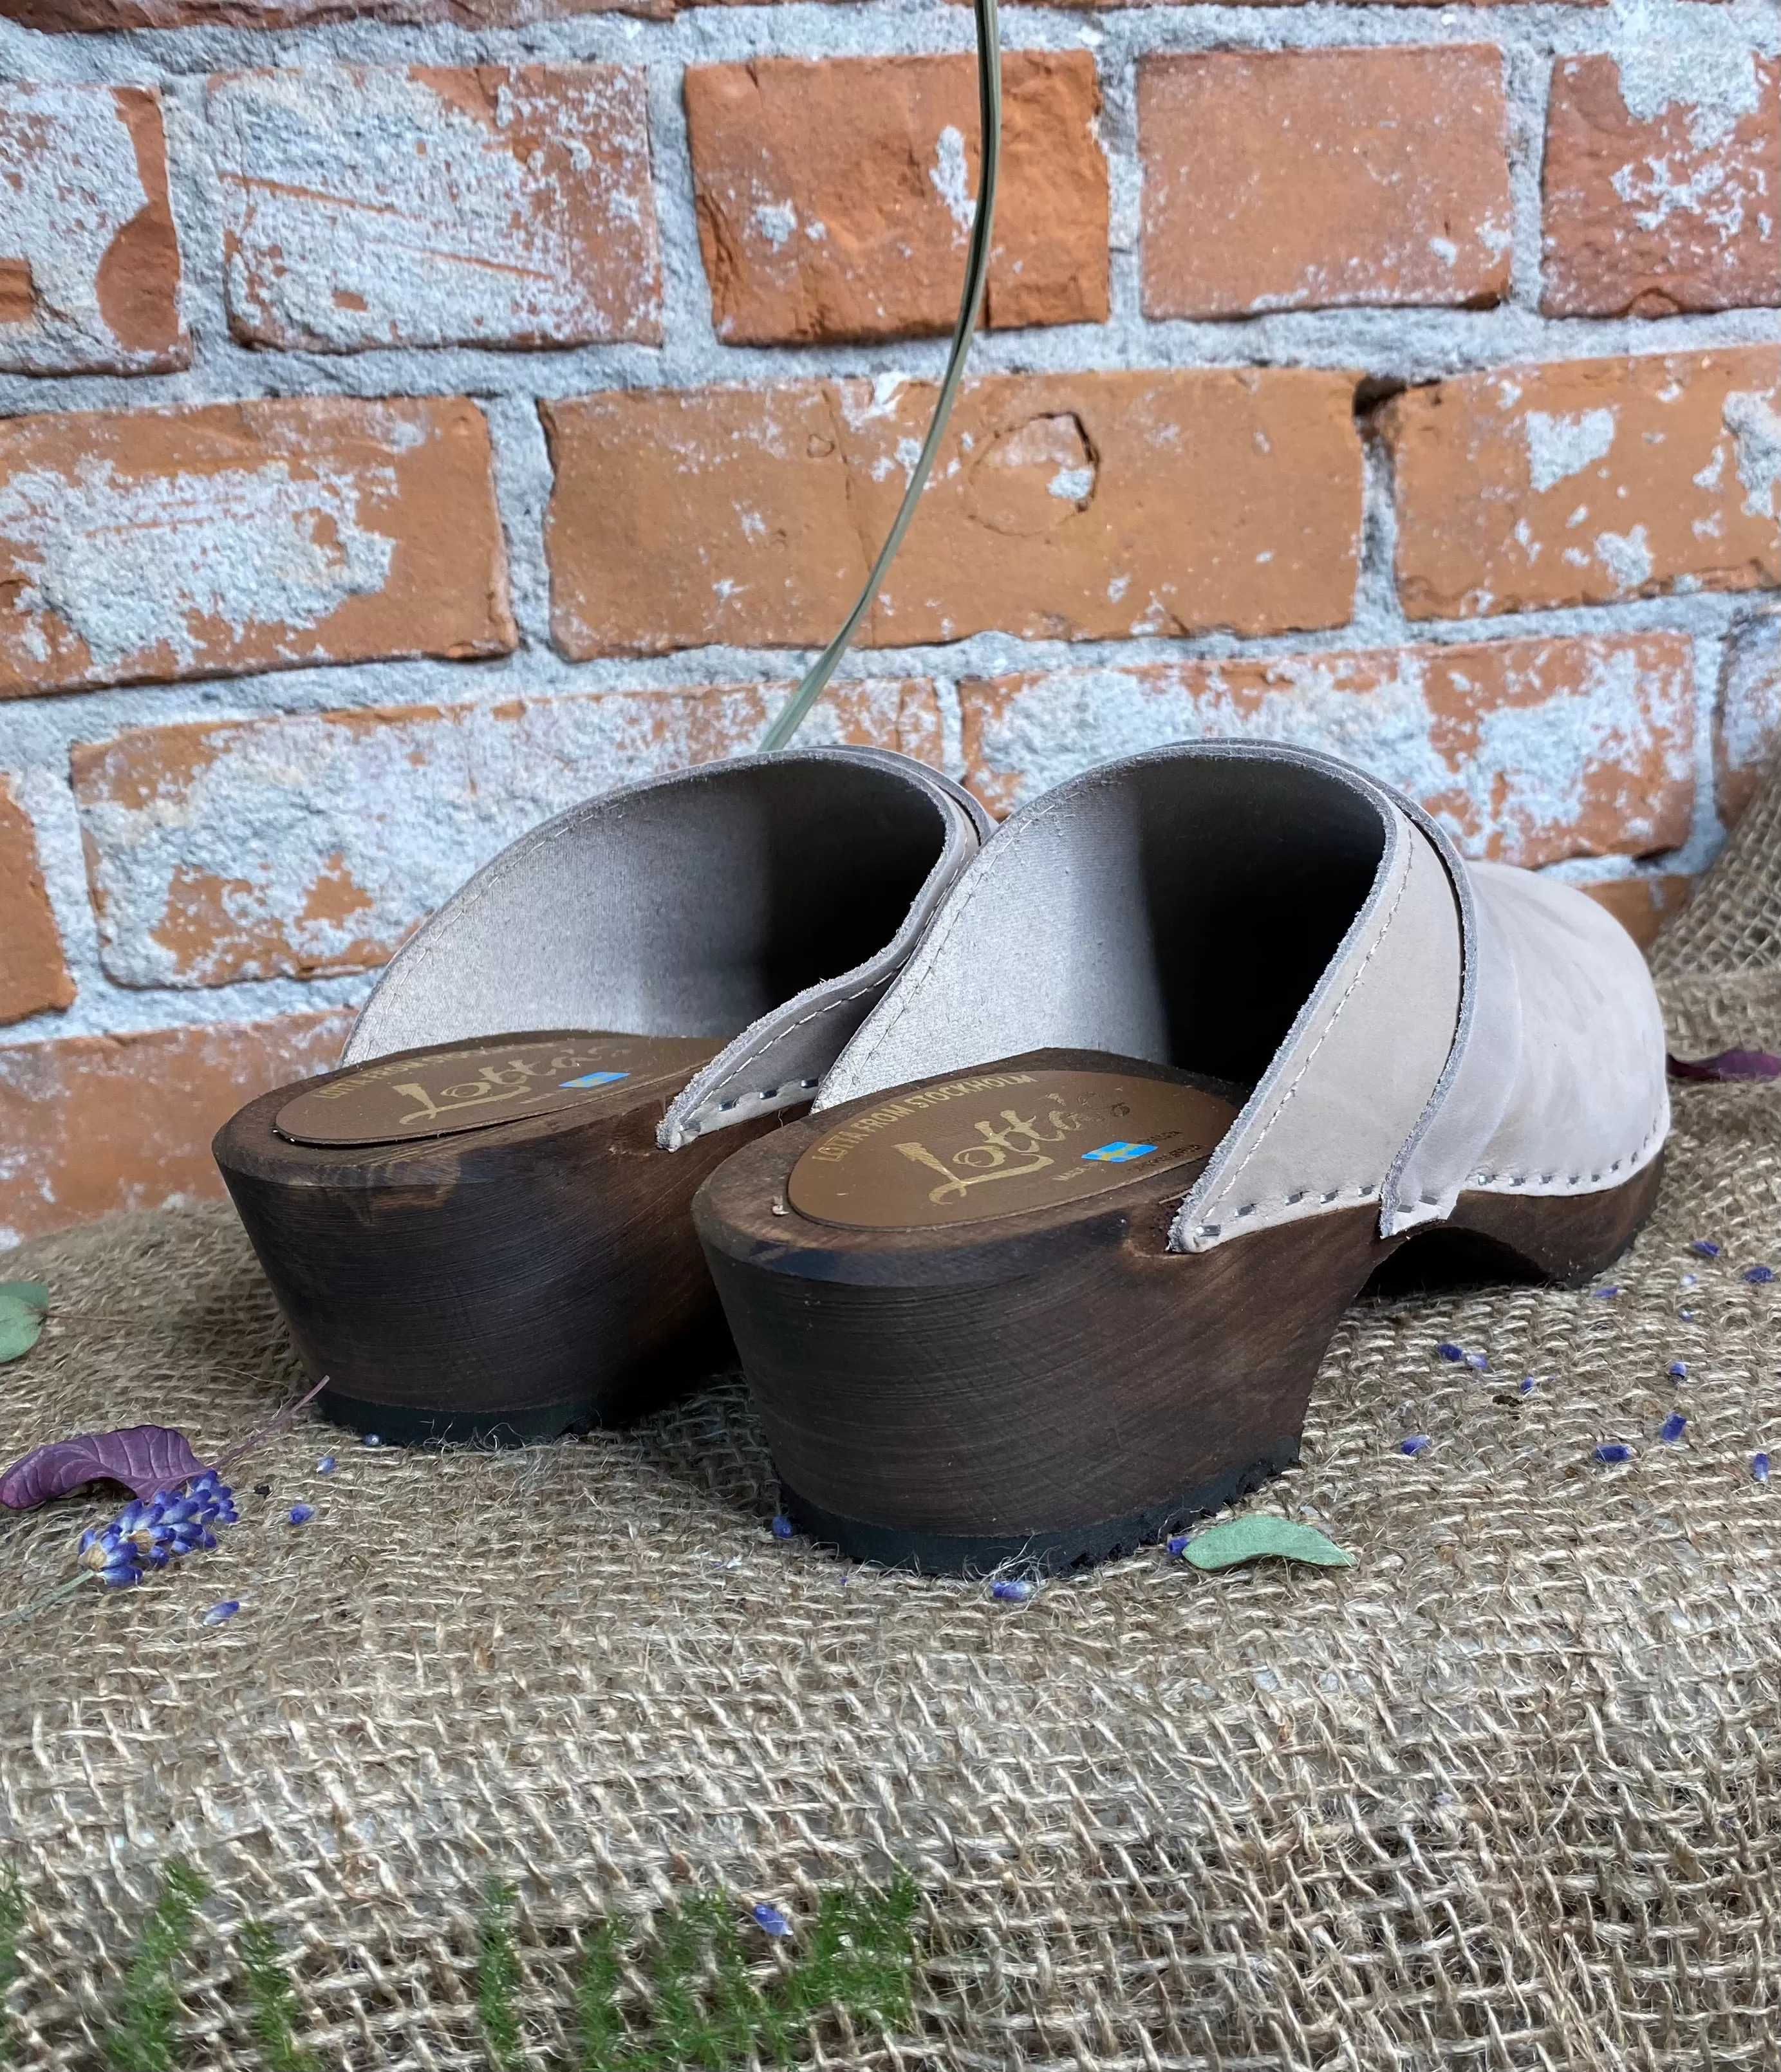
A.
x: 1605, y: 1294
x: 1728, y: 1064
x: 370, y: 1439
x: 1759, y: 1275
x: 1705, y: 1246
x: 1672, y: 1428
x: 1686, y: 1315
x: 1448, y: 1351
x: 1011, y: 1590
x: 1613, y: 1453
x: 300, y: 1514
x: 326, y: 1465
x: 1178, y: 1543
x: 1477, y: 1361
x: 1759, y: 1467
x: 226, y: 1610
x: 146, y: 1458
x: 1419, y: 1444
x: 1679, y: 1370
x: 769, y: 1916
x: 783, y: 1528
x: 1529, y: 1384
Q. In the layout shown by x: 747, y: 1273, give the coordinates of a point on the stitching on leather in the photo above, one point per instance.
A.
x: 790, y: 1030
x: 1329, y: 1029
x: 1654, y: 1135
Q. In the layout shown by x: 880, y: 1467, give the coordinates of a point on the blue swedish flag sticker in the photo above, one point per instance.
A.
x: 1117, y: 1154
x: 594, y: 1079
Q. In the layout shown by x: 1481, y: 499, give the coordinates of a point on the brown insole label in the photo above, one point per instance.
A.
x: 1002, y: 1144
x: 477, y: 1084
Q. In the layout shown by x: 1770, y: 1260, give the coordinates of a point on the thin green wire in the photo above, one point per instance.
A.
x: 976, y: 273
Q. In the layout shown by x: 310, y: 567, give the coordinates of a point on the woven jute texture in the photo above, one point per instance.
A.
x: 1504, y: 1793
x: 1718, y: 963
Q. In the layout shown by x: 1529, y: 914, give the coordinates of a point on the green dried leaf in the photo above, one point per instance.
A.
x: 1261, y: 1535
x: 23, y: 1306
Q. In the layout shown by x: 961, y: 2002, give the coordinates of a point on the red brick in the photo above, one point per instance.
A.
x: 309, y: 844
x: 835, y: 198
x: 1527, y: 751
x: 90, y: 259
x: 504, y: 206
x: 1676, y: 209
x: 1316, y: 180
x: 1746, y: 734
x: 150, y: 546
x: 33, y: 973
x: 91, y: 1123
x: 1641, y: 906
x: 1089, y: 505
x: 1587, y: 482
x: 87, y: 17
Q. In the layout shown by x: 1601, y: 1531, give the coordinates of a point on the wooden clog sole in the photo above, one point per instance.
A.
x: 483, y: 1240
x: 1037, y: 1380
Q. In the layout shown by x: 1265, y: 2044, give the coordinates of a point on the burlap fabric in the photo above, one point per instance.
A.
x: 1505, y: 1794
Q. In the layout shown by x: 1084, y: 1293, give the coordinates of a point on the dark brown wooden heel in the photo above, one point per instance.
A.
x: 507, y: 1280
x: 1047, y: 1388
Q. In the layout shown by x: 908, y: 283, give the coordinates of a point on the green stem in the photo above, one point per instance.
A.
x: 30, y: 1611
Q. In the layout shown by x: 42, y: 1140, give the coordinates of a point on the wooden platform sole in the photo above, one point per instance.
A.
x: 484, y: 1241
x: 1051, y: 1387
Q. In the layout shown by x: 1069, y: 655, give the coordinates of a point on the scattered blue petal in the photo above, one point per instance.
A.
x: 1705, y: 1246
x: 1686, y: 1315
x: 1672, y: 1428
x: 1529, y: 1384
x: 1679, y: 1370
x: 1759, y: 1467
x: 782, y: 1528
x: 1011, y: 1590
x: 226, y: 1610
x: 1604, y: 1294
x: 1478, y: 1361
x: 326, y: 1465
x: 1758, y: 1274
x: 1613, y: 1453
x: 1419, y: 1444
x: 769, y: 1916
x: 1448, y: 1351
x: 1691, y: 1281
x: 371, y: 1439
x: 1178, y: 1543
x: 300, y: 1514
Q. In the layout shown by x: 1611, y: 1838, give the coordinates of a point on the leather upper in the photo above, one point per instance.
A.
x: 1411, y: 1026
x: 768, y: 900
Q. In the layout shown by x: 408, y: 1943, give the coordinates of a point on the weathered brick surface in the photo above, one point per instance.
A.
x: 835, y: 198
x: 1076, y: 507
x: 1677, y: 208
x: 91, y: 1123
x: 148, y: 546
x: 1641, y: 906
x: 1527, y: 751
x: 34, y: 974
x: 1312, y: 180
x: 302, y: 846
x: 90, y: 259
x: 1747, y: 723
x: 494, y: 205
x: 1588, y: 481
x: 79, y: 17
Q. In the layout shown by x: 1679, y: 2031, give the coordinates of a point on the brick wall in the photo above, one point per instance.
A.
x: 419, y: 414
